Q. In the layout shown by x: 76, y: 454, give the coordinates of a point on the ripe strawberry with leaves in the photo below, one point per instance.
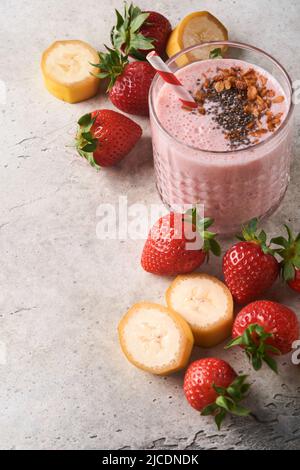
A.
x: 178, y: 244
x: 250, y: 267
x: 129, y: 83
x: 264, y: 329
x: 137, y: 32
x: 290, y: 255
x: 213, y: 387
x: 105, y: 137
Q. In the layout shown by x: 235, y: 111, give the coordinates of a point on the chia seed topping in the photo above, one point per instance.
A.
x: 238, y: 102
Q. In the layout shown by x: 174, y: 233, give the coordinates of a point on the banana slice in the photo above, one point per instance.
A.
x: 155, y: 339
x: 196, y: 28
x: 206, y: 304
x: 67, y: 71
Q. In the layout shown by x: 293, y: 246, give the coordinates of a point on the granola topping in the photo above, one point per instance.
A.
x: 240, y: 104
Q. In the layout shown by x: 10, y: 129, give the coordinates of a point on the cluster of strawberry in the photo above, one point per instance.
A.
x: 250, y: 267
x: 112, y: 135
x: 263, y: 329
x: 134, y: 35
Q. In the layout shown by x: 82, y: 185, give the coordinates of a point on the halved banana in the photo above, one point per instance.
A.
x: 206, y: 304
x: 67, y: 71
x: 155, y: 339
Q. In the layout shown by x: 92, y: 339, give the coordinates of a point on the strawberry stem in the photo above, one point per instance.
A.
x: 254, y: 341
x: 228, y: 401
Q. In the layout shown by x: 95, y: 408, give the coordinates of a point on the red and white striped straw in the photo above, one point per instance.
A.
x: 168, y: 76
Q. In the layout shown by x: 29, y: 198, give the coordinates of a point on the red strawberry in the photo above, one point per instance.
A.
x: 129, y: 82
x: 249, y: 266
x: 166, y: 250
x: 295, y: 283
x: 290, y: 254
x: 137, y: 32
x: 157, y: 27
x: 212, y: 387
x: 264, y: 328
x: 105, y: 137
x: 131, y: 89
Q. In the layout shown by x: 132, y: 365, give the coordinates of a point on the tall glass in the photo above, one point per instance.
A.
x: 235, y: 185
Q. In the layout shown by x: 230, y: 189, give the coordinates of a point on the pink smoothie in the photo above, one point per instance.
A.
x: 195, y: 162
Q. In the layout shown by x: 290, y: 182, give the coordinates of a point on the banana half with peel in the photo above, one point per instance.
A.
x: 155, y: 339
x: 205, y: 303
x: 67, y: 70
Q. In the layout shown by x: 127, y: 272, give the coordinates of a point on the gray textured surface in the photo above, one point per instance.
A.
x: 62, y: 291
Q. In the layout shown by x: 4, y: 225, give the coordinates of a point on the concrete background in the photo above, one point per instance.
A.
x: 65, y: 383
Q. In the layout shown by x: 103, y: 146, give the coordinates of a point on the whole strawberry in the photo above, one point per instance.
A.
x: 250, y: 267
x: 105, y: 137
x: 264, y: 329
x: 212, y: 387
x: 290, y: 255
x: 137, y: 32
x: 178, y: 244
x: 129, y: 84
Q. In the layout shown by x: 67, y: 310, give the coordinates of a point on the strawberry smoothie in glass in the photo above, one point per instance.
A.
x: 233, y: 153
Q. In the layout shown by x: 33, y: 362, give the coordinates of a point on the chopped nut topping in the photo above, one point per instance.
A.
x: 263, y: 80
x: 258, y: 132
x: 227, y: 84
x: 252, y: 93
x: 278, y: 99
x: 219, y: 86
x: 240, y: 104
x: 263, y: 92
x: 270, y: 93
x: 200, y: 96
x: 240, y: 84
x: 201, y: 110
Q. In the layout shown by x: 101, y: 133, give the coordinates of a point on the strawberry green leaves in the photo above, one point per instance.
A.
x: 254, y: 341
x: 228, y: 401
x: 289, y: 253
x: 125, y: 34
x: 111, y: 65
x: 86, y: 121
x: 288, y: 248
x: 86, y: 144
x: 250, y: 234
x: 216, y: 53
x: 209, y: 241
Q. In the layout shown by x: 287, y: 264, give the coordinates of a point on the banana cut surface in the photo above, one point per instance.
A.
x: 155, y: 339
x: 67, y: 70
x: 205, y: 303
